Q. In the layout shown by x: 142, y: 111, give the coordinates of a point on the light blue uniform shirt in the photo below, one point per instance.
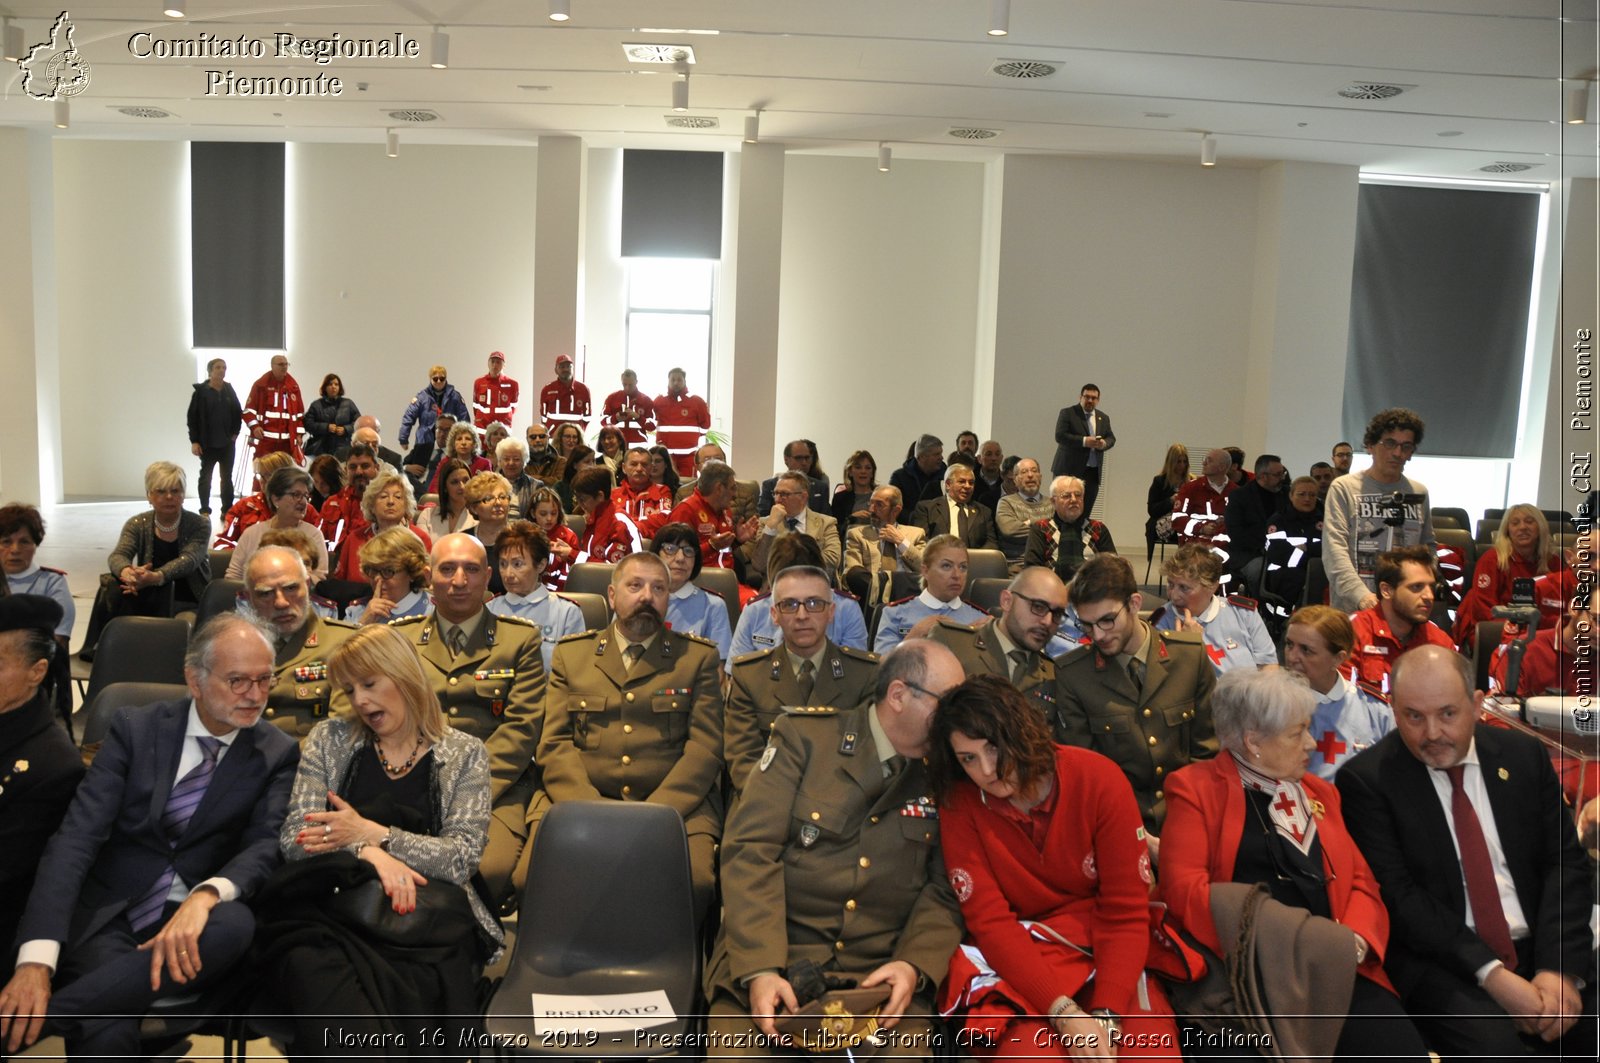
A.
x: 694, y: 611
x: 900, y: 617
x: 1235, y: 636
x: 1346, y: 721
x: 557, y: 618
x: 758, y: 631
x: 417, y: 603
x: 48, y: 583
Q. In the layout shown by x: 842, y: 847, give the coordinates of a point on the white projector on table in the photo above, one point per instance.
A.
x: 1576, y: 720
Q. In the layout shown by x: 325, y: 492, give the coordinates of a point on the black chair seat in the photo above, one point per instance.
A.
x: 139, y: 649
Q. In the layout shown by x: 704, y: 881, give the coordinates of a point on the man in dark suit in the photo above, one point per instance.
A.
x: 1083, y: 435
x: 1489, y: 949
x: 138, y: 893
x: 955, y: 513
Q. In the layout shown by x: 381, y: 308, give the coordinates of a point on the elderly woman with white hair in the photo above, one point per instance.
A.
x: 159, y: 562
x: 1254, y: 816
x: 386, y: 503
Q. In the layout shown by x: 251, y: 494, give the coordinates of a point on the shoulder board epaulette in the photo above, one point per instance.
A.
x: 756, y: 655
x: 1194, y: 638
x: 1155, y: 617
x: 810, y: 710
x: 1244, y: 603
x: 757, y: 598
x: 404, y: 620
x: 691, y: 637
x: 1373, y: 690
x: 860, y: 655
x: 955, y: 625
x: 842, y: 593
x: 907, y: 598
x: 577, y: 635
x: 331, y: 622
x: 494, y: 598
x: 512, y: 618
x: 57, y: 571
x: 715, y: 594
x: 327, y: 603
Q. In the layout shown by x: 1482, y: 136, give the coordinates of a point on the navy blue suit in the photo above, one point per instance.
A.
x: 111, y: 849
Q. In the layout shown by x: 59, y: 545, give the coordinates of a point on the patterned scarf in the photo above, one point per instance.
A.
x: 1290, y: 810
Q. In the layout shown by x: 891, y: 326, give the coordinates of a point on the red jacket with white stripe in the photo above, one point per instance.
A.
x: 681, y: 423
x: 563, y: 403
x: 494, y: 398
x: 276, y: 407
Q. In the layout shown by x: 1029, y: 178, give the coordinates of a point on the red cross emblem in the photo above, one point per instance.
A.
x: 1330, y: 747
x: 1215, y: 653
x: 1289, y: 809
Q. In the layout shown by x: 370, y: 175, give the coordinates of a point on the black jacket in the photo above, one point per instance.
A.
x: 214, y: 418
x: 39, y: 771
x: 324, y: 412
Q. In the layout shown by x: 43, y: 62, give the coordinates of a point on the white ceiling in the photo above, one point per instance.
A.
x: 1138, y: 79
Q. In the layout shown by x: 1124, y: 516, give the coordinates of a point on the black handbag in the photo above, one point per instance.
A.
x: 347, y: 889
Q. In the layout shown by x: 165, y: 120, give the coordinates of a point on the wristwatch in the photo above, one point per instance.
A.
x: 1109, y: 1020
x: 387, y: 840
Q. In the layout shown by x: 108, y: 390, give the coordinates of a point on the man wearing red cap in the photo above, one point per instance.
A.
x: 681, y: 422
x: 494, y: 395
x: 564, y: 400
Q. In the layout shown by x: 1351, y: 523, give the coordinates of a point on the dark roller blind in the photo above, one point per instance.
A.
x: 1439, y: 313
x: 236, y: 207
x: 671, y: 204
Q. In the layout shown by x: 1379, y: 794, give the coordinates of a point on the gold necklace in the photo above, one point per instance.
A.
x: 402, y: 769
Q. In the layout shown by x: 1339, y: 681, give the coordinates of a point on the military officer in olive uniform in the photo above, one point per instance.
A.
x: 635, y: 714
x: 1139, y: 696
x: 278, y: 591
x: 805, y: 669
x: 488, y: 671
x: 1011, y: 646
x: 832, y: 856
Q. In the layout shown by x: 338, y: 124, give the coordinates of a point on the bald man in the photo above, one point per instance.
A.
x: 1199, y: 509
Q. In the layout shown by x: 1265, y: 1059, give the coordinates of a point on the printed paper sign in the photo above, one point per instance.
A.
x: 603, y: 1013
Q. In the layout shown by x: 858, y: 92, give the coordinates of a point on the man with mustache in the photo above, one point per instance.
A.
x: 634, y: 713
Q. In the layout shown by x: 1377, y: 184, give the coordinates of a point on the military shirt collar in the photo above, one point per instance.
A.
x: 880, y: 737
x: 1210, y: 612
x: 998, y: 629
x: 1337, y: 692
x: 469, y: 627
x: 795, y: 660
x: 623, y: 642
x: 538, y: 595
x: 1142, y: 653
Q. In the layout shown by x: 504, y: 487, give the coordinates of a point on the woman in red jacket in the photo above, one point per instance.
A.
x: 1523, y: 549
x: 1253, y: 815
x: 1046, y: 853
x: 608, y: 535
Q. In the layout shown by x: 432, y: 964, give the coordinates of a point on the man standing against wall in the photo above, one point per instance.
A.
x: 1083, y: 435
x: 564, y: 400
x: 494, y: 395
x: 630, y: 411
x: 681, y: 421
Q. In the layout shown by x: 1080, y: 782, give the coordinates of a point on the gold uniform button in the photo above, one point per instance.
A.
x: 1152, y: 740
x: 816, y: 815
x: 1147, y: 714
x: 850, y: 905
x: 838, y: 946
x: 582, y: 704
x: 674, y: 704
x: 874, y: 819
x: 628, y: 697
x: 626, y: 790
x: 627, y: 728
x: 454, y: 711
x: 452, y: 680
x: 1159, y: 769
x: 865, y: 862
x: 272, y: 712
x: 627, y: 759
x: 1160, y: 795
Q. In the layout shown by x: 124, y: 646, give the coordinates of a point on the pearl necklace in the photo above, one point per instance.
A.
x: 402, y: 769
x: 168, y: 529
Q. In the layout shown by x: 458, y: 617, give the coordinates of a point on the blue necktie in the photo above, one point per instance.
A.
x: 181, y: 804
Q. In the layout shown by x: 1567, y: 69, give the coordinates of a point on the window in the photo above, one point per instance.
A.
x: 669, y: 321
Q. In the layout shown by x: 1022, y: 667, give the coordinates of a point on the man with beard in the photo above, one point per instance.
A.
x: 1012, y: 646
x: 302, y: 694
x: 1399, y: 622
x: 1068, y: 538
x: 341, y: 513
x: 564, y: 400
x: 648, y: 505
x: 681, y: 420
x: 635, y: 714
x: 543, y: 463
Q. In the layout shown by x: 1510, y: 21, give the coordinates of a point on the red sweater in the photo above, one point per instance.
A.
x: 608, y: 536
x: 1491, y: 586
x: 1089, y: 883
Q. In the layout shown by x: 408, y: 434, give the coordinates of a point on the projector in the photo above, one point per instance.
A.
x: 1576, y: 720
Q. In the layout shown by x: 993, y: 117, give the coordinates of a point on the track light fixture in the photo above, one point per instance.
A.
x: 752, y: 128
x: 560, y: 10
x: 883, y: 157
x: 680, y: 87
x: 391, y: 144
x: 11, y: 37
x: 999, y: 17
x: 1208, y: 150
x: 174, y: 8
x: 439, y: 50
x: 1577, y: 102
x: 63, y: 113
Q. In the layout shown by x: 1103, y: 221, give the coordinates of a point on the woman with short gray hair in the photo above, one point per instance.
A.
x: 1254, y: 816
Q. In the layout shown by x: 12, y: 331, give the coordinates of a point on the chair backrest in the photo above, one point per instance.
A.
x: 577, y: 522
x: 99, y: 710
x: 1316, y: 588
x: 596, y: 613
x: 1446, y: 520
x: 589, y: 577
x: 987, y: 564
x: 1494, y: 515
x: 985, y: 593
x: 139, y: 649
x: 1456, y: 513
x: 219, y: 562
x: 1484, y: 641
x: 1486, y: 529
x: 220, y: 596
x: 1557, y: 516
x: 726, y: 585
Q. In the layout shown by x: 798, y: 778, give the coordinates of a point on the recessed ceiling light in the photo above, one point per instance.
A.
x: 143, y: 112
x: 534, y: 88
x: 661, y: 54
x: 691, y: 121
x: 1507, y: 167
x: 974, y: 133
x: 1372, y: 90
x: 701, y: 33
x: 414, y: 114
x: 1025, y: 69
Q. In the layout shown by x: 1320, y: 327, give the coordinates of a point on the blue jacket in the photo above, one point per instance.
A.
x: 424, y: 413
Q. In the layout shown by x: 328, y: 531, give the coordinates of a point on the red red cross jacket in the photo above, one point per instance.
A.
x: 494, y: 398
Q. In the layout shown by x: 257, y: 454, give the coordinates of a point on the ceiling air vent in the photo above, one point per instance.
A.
x: 1506, y: 167
x: 974, y: 133
x: 414, y: 115
x: 144, y: 112
x: 691, y: 121
x: 1024, y: 69
x: 658, y: 54
x: 1372, y: 90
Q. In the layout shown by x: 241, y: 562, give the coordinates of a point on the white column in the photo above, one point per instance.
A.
x: 755, y: 331
x: 557, y: 259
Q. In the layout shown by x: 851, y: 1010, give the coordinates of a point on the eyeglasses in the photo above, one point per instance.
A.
x: 1104, y: 623
x: 1397, y: 446
x: 811, y: 605
x: 920, y: 690
x: 1041, y: 608
x: 243, y: 684
x: 674, y: 549
x: 297, y: 496
x: 440, y: 377
x: 537, y: 435
x: 381, y: 573
x: 787, y: 494
x: 495, y: 498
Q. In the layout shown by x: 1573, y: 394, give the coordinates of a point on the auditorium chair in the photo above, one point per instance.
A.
x: 596, y: 613
x: 725, y: 585
x: 139, y: 649
x: 589, y: 577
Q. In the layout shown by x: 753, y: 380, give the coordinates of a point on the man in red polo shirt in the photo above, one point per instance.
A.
x: 648, y: 505
x: 1399, y: 622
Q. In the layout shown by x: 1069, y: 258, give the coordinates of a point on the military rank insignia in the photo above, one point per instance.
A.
x: 766, y: 758
x: 847, y: 744
x: 311, y: 672
x: 507, y: 674
x: 923, y: 807
x: 809, y: 835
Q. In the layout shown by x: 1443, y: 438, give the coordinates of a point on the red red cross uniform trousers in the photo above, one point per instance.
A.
x: 494, y: 398
x: 276, y: 407
x: 681, y: 423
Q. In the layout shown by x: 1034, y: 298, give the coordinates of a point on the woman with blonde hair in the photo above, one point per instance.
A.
x: 388, y: 798
x: 461, y: 444
x: 855, y: 489
x: 1523, y: 549
x: 1163, y: 489
x: 396, y: 565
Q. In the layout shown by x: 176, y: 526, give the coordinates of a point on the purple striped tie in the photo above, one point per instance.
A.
x: 181, y: 804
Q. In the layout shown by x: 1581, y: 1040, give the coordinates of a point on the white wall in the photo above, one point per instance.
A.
x: 1136, y: 277
x: 879, y: 305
